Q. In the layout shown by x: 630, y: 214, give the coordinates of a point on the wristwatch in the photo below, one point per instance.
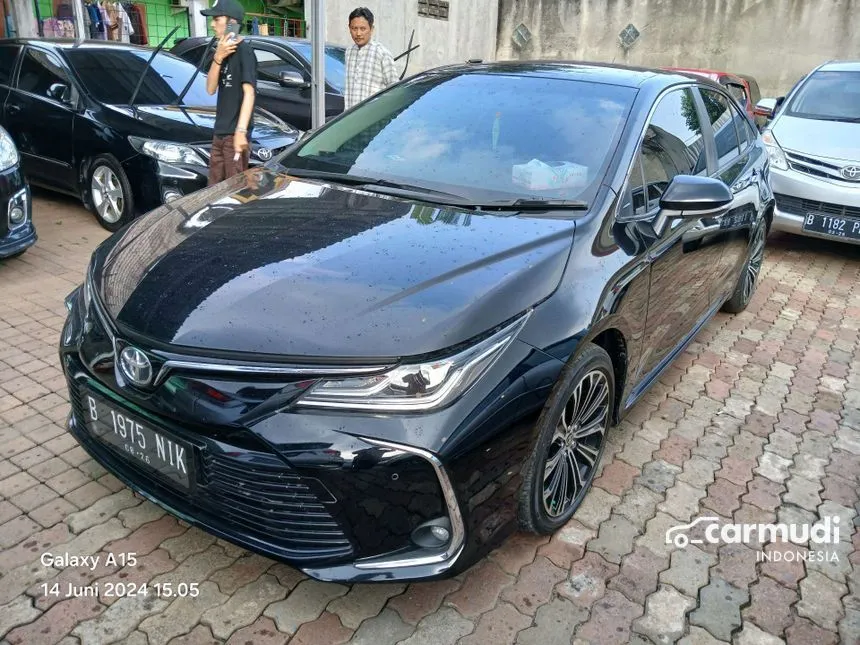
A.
x: 242, y: 130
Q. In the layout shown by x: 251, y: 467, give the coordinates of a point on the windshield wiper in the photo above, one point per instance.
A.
x: 148, y: 63
x: 536, y: 205
x: 393, y: 187
x: 191, y: 80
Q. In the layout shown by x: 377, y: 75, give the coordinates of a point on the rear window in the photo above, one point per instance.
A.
x: 8, y: 55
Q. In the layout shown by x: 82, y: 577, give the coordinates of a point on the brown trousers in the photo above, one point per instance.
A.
x: 221, y: 161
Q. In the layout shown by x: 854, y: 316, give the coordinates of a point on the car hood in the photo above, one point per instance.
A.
x: 183, y: 124
x: 828, y: 139
x: 269, y: 264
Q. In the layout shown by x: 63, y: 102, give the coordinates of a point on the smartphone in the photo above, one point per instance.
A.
x: 233, y: 30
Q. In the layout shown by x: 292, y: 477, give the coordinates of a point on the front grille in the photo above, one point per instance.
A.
x: 798, y: 206
x: 205, y: 149
x: 245, y: 493
x: 816, y: 167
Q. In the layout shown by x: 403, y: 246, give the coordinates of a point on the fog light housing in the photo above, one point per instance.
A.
x: 17, y: 216
x: 434, y: 534
x: 171, y: 196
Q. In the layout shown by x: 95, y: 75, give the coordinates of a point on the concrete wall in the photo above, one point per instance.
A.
x: 777, y: 41
x: 469, y: 32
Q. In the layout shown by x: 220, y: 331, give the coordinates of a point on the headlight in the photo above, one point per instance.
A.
x: 8, y: 151
x: 167, y: 152
x: 777, y: 156
x: 418, y: 386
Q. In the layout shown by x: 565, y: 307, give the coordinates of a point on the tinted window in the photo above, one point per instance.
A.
x: 722, y: 120
x: 335, y: 65
x: 39, y: 71
x: 270, y: 65
x: 828, y: 95
x: 634, y: 199
x: 485, y: 137
x: 111, y: 75
x: 8, y: 54
x: 193, y: 56
x: 738, y: 93
x: 742, y: 126
x: 673, y: 144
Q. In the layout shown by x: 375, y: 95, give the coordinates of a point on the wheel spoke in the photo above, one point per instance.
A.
x: 600, y: 394
x: 578, y: 481
x: 551, y: 465
x: 594, y: 427
x: 588, y: 453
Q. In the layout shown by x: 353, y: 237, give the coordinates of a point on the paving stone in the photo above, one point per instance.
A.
x: 520, y: 549
x: 752, y: 635
x: 749, y: 514
x: 675, y: 450
x: 533, y: 587
x: 554, y: 624
x: 803, y: 492
x: 16, y: 484
x: 723, y: 497
x: 119, y: 620
x: 52, y: 513
x: 849, y: 627
x: 55, y: 623
x: 617, y: 477
x: 763, y: 493
x: 689, y: 570
x: 501, y: 625
x: 719, y: 608
x: 712, y: 446
x: 848, y: 439
x: 821, y: 600
x: 845, y: 514
x: 567, y: 545
x: 145, y: 570
x: 771, y: 604
x: 833, y: 560
x: 587, y: 580
x: 135, y: 517
x: 838, y: 490
x: 805, y: 632
x: 773, y: 467
x: 639, y: 574
x: 698, y: 472
x: 198, y: 567
x: 665, y: 616
x: 200, y: 635
x: 18, y: 612
x: 148, y: 537
x: 783, y: 443
x: 637, y: 452
x: 31, y: 549
x: 286, y: 575
x: 386, y: 629
x: 188, y: 543
x: 654, y: 538
x: 325, y: 630
x: 68, y: 481
x: 480, y: 592
x: 88, y: 494
x: 445, y: 627
x: 659, y: 476
x: 305, y: 604
x: 610, y: 620
x: 682, y: 501
x: 596, y: 507
x: 244, y: 606
x: 737, y: 564
x: 181, y: 613
x: 102, y: 510
x: 615, y: 538
x: 422, y: 599
x: 737, y: 470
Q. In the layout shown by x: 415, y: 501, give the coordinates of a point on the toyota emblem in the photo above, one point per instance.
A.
x: 851, y: 173
x: 264, y: 154
x: 135, y: 366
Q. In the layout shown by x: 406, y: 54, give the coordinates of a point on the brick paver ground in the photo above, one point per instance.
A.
x: 758, y: 421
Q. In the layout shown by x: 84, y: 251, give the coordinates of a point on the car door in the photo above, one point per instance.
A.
x: 8, y: 61
x: 732, y: 137
x: 292, y: 104
x: 40, y: 116
x: 681, y: 252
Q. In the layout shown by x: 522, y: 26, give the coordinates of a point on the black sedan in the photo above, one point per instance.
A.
x: 17, y: 233
x: 104, y: 123
x: 283, y: 74
x: 382, y: 352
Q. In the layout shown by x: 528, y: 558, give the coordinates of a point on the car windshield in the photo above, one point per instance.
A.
x: 482, y: 137
x: 831, y: 96
x: 110, y: 76
x: 335, y: 63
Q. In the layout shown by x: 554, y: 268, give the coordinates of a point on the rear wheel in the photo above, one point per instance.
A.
x: 110, y: 193
x: 571, y: 436
x: 748, y: 280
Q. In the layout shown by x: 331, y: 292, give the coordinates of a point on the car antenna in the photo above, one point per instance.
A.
x: 197, y: 71
x: 148, y: 63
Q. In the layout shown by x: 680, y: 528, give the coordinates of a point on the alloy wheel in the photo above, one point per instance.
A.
x: 755, y: 261
x: 107, y: 193
x: 575, y: 446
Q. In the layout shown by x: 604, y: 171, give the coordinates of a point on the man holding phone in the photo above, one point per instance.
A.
x: 233, y: 74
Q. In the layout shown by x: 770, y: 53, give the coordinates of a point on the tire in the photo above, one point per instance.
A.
x: 558, y: 441
x: 748, y: 279
x: 110, y: 195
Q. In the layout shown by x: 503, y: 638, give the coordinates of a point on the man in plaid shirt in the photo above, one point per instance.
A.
x: 369, y: 65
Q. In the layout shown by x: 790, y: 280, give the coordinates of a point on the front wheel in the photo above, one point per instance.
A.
x: 110, y: 193
x: 570, y: 439
x: 748, y: 279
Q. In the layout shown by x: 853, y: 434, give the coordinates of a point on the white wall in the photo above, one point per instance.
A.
x: 469, y: 32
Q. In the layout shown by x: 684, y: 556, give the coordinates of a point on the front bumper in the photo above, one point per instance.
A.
x: 14, y: 192
x: 798, y: 193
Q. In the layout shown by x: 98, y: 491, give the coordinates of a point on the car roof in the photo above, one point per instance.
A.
x: 71, y: 43
x: 713, y: 74
x: 840, y: 66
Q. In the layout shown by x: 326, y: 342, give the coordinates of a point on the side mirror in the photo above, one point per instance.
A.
x: 293, y: 80
x: 60, y: 92
x: 767, y: 107
x: 695, y: 197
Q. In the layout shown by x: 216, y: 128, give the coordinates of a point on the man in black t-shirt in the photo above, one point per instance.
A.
x: 233, y: 74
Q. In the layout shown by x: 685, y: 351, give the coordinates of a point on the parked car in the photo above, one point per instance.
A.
x: 814, y: 145
x: 17, y: 233
x: 743, y: 87
x: 72, y: 110
x: 283, y: 74
x: 409, y: 334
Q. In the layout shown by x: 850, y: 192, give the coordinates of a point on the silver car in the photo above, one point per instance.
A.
x: 814, y: 146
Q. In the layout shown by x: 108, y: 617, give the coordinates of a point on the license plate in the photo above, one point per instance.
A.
x: 154, y: 449
x: 846, y: 227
